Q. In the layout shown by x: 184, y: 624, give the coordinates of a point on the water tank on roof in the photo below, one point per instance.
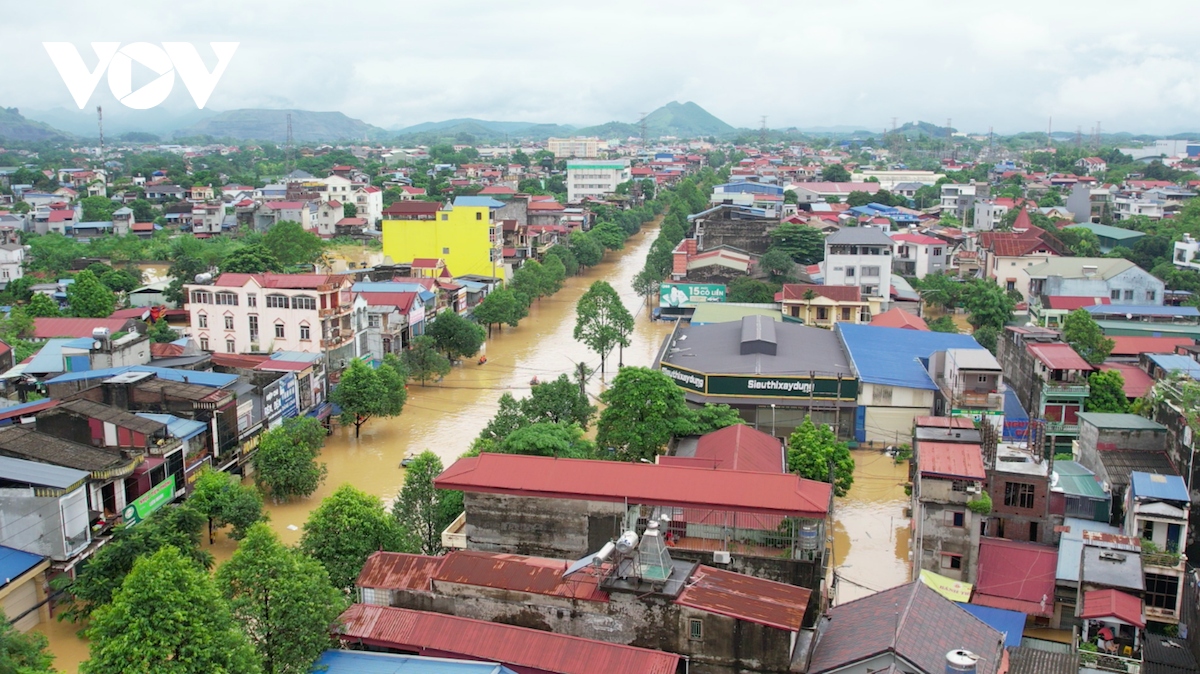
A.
x: 627, y: 543
x: 100, y: 333
x: 204, y: 278
x: 809, y: 535
x: 960, y: 662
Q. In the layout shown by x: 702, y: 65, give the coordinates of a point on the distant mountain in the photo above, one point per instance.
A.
x: 925, y: 129
x: 118, y: 119
x: 685, y: 120
x: 514, y: 128
x: 14, y: 127
x: 480, y: 130
x: 271, y: 125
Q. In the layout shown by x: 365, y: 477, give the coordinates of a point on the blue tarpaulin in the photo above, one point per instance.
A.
x: 1009, y: 623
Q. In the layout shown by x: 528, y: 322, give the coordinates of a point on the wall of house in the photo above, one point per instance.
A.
x: 1136, y: 281
x: 54, y: 527
x: 1014, y: 522
x: 1116, y: 438
x: 461, y: 239
x: 937, y: 505
x: 752, y: 235
x: 890, y: 410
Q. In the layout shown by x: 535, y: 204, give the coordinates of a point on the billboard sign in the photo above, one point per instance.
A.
x: 681, y: 294
x: 147, y: 503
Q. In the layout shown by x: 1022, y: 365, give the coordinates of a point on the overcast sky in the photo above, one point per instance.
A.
x: 1008, y: 65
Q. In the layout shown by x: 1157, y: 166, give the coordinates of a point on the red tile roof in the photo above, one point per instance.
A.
x: 918, y: 238
x: 944, y: 422
x: 1113, y: 604
x: 1058, y: 356
x: 1012, y: 244
x: 350, y: 222
x: 401, y: 300
x: 518, y: 573
x: 755, y: 600
x: 401, y: 208
x: 285, y: 205
x: 740, y: 447
x: 276, y: 365
x: 545, y: 206
x: 950, y: 460
x: 438, y: 635
x: 282, y: 281
x: 61, y: 216
x: 426, y: 262
x: 1016, y: 576
x: 899, y: 318
x: 1137, y: 382
x: 140, y: 313
x: 796, y: 291
x: 48, y: 328
x: 238, y: 360
x: 1134, y: 346
x: 497, y: 189
x: 1072, y: 303
x: 650, y: 484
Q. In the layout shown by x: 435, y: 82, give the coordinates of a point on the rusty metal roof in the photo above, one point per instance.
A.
x: 535, y: 575
x: 521, y: 648
x: 755, y: 600
x: 950, y: 460
x: 113, y: 415
x: 398, y: 571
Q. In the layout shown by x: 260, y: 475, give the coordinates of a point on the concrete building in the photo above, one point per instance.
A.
x: 1090, y: 203
x: 739, y: 227
x: 1156, y: 511
x: 824, y: 306
x: 466, y: 235
x: 945, y: 530
x: 1016, y: 576
x: 1186, y: 254
x: 860, y: 256
x: 971, y: 384
x: 1120, y: 280
x: 1019, y: 486
x: 1049, y: 379
x: 919, y: 255
x: 12, y: 262
x: 595, y: 178
x: 808, y: 193
x: 774, y: 374
x: 1114, y: 446
x: 44, y: 509
x: 958, y: 199
x: 890, y: 178
x: 261, y: 313
x: 578, y: 147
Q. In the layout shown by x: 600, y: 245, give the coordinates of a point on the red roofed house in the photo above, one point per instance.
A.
x: 1120, y: 613
x: 722, y: 620
x: 899, y: 318
x: 1005, y: 254
x: 1051, y: 311
x: 920, y: 255
x: 1129, y: 348
x: 569, y: 507
x: 262, y: 313
x: 393, y: 319
x: 1136, y: 382
x: 49, y: 328
x: 945, y: 530
x: 824, y: 306
x: 1048, y: 378
x: 1016, y: 576
x: 737, y: 447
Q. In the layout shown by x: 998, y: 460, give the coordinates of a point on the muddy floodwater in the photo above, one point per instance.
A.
x: 870, y: 532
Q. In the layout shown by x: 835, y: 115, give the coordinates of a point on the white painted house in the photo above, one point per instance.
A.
x: 860, y: 256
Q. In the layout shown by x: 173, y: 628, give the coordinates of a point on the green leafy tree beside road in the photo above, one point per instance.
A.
x: 601, y: 320
x: 345, y: 529
x: 814, y: 452
x: 423, y: 361
x: 285, y: 463
x: 456, y: 336
x: 88, y: 298
x: 365, y: 392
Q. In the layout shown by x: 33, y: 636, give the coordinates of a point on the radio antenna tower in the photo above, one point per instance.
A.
x: 1096, y: 136
x: 1078, y: 136
x: 288, y: 146
x: 642, y: 125
x: 100, y: 124
x: 762, y: 131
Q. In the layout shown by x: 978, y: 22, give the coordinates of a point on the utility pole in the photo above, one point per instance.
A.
x: 100, y: 123
x: 991, y: 138
x: 1049, y: 141
x: 1079, y: 136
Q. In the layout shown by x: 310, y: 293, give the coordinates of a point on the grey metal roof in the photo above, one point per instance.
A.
x: 860, y: 236
x: 1164, y: 655
x: 39, y: 474
x: 1125, y: 422
x: 1070, y: 546
x: 714, y: 348
x: 957, y: 435
x: 1112, y: 568
x: 1027, y: 660
x: 1120, y: 464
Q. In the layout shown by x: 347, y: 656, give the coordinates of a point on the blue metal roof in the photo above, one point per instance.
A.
x: 358, y: 662
x: 1159, y: 487
x: 184, y: 429
x: 893, y: 356
x: 486, y: 202
x: 1009, y: 623
x: 14, y: 563
x: 1142, y: 310
x: 296, y: 356
x: 1172, y: 362
x: 50, y: 358
x: 749, y: 187
x: 213, y: 379
x: 42, y: 474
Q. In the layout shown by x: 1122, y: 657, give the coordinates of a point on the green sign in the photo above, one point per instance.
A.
x: 680, y: 294
x: 745, y: 386
x: 159, y: 496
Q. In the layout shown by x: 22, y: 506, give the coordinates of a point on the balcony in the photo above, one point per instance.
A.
x: 1057, y: 389
x: 1061, y: 428
x: 1108, y: 663
x: 454, y: 537
x: 984, y: 400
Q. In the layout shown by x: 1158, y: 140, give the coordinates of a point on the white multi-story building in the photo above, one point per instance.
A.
x: 958, y: 199
x: 12, y: 261
x: 263, y: 313
x: 1187, y: 253
x: 595, y: 178
x: 1127, y: 207
x: 988, y: 214
x: 574, y: 148
x: 860, y: 256
x: 919, y: 255
x: 369, y: 202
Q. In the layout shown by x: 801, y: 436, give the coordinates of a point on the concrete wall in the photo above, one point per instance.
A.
x: 1136, y: 280
x: 1115, y: 438
x: 936, y: 505
x: 37, y: 525
x: 1013, y: 522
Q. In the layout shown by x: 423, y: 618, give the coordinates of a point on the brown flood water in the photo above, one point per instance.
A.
x: 870, y: 532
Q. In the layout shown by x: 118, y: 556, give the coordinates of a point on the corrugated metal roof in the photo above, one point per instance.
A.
x: 46, y: 328
x: 755, y: 600
x: 892, y: 356
x: 359, y: 662
x: 1173, y: 362
x: 398, y: 571
x: 1070, y: 303
x: 951, y: 460
x: 1058, y: 356
x: 517, y: 647
x: 184, y: 429
x: 1111, y: 603
x: 15, y: 563
x: 944, y: 422
x: 1029, y: 660
x: 1164, y: 655
x: 209, y: 379
x: 1133, y: 346
x: 1009, y: 623
x: 113, y: 415
x: 25, y: 443
x: 518, y: 573
x: 39, y: 474
x: 1123, y: 422
x: 1158, y: 487
x: 1135, y: 381
x: 1156, y: 310
x: 650, y: 484
x: 1070, y: 546
x: 1072, y: 478
x: 1016, y: 576
x: 740, y: 447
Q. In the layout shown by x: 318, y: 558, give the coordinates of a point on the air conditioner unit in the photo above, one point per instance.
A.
x: 972, y: 490
x: 721, y: 557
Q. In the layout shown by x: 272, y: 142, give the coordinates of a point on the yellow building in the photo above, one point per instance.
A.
x: 824, y: 306
x: 465, y: 236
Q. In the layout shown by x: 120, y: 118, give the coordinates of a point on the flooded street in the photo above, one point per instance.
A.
x: 871, y: 533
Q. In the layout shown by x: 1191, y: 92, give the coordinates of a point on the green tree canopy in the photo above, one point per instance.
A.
x: 345, y: 529
x: 643, y: 410
x: 805, y: 245
x: 421, y: 510
x: 558, y: 401
x: 531, y: 281
x: 121, y: 280
x: 500, y: 307
x: 602, y: 321
x: 1084, y: 335
x: 1106, y: 392
x: 835, y: 173
x: 423, y: 361
x: 546, y: 438
x: 588, y: 251
x: 53, y: 252
x: 224, y: 500
x: 988, y: 305
x: 41, y: 306
x: 161, y: 332
x: 779, y: 265
x: 554, y: 274
x: 98, y: 209
x: 23, y: 653
x: 815, y: 453
x: 88, y: 298
x: 285, y: 463
x: 609, y: 234
x: 456, y: 336
x: 251, y: 259
x: 291, y: 244
x: 746, y: 289
x: 564, y: 255
x: 168, y: 616
x: 943, y: 324
x: 365, y: 392
x: 283, y: 601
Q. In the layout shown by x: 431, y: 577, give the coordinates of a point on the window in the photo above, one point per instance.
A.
x: 1147, y: 529
x: 445, y: 216
x: 204, y: 343
x: 229, y: 322
x: 950, y: 561
x: 937, y: 252
x: 1150, y: 296
x: 253, y: 328
x: 849, y: 272
x: 203, y: 320
x: 304, y: 333
x: 373, y: 321
x: 201, y: 297
x: 955, y: 519
x: 870, y: 271
x: 1162, y: 591
x: 961, y: 485
x: 822, y: 314
x: 229, y: 346
x: 1018, y: 495
x: 1116, y: 295
x: 227, y: 299
x: 695, y: 629
x: 1129, y: 294
x: 304, y: 302
x: 983, y: 378
x: 845, y: 313
x: 478, y: 215
x: 277, y: 302
x: 252, y: 300
x: 445, y: 251
x: 279, y: 330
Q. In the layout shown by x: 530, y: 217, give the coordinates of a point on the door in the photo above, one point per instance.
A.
x: 1173, y: 531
